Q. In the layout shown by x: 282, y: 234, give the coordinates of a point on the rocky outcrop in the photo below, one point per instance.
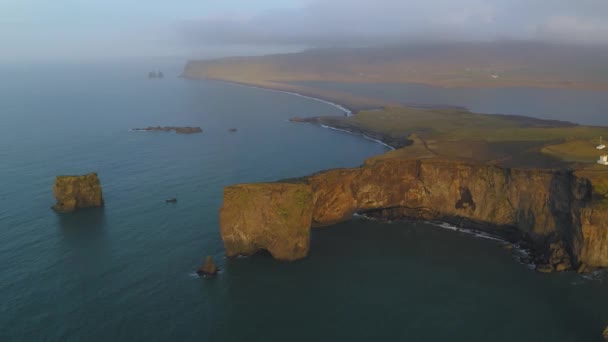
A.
x: 605, y: 334
x: 77, y: 192
x: 179, y: 130
x: 208, y: 269
x: 544, y: 207
x: 274, y: 217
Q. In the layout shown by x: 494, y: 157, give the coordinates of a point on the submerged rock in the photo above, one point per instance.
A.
x: 208, y: 269
x: 232, y: 130
x: 544, y: 268
x: 582, y: 268
x: 77, y: 192
x: 562, y: 266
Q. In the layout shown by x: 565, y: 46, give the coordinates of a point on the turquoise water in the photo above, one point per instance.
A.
x: 125, y: 272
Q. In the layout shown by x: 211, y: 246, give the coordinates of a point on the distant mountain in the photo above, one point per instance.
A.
x: 456, y: 65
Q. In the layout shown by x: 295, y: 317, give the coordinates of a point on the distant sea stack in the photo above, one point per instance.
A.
x: 179, y: 130
x: 156, y: 74
x: 77, y: 192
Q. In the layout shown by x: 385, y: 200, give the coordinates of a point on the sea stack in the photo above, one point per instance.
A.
x: 77, y: 192
x: 208, y: 269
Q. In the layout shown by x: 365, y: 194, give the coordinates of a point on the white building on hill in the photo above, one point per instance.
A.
x: 603, y: 160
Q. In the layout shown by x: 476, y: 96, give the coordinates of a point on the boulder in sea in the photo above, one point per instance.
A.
x: 208, y: 269
x: 582, y: 268
x: 507, y: 247
x: 232, y: 130
x: 605, y: 334
x: 544, y: 268
x: 562, y: 266
x: 77, y: 192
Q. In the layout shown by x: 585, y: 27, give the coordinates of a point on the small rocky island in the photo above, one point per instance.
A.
x: 179, y: 130
x: 77, y: 192
x: 209, y: 269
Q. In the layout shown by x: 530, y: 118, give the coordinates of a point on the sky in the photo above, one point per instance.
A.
x: 92, y: 29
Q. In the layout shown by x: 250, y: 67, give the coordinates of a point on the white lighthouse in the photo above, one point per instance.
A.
x: 603, y: 159
x: 601, y: 146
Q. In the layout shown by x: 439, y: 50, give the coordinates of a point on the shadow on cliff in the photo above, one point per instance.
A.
x: 568, y: 194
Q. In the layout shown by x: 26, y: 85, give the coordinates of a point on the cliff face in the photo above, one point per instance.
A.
x: 77, y: 192
x: 274, y: 217
x: 592, y: 244
x: 541, y: 206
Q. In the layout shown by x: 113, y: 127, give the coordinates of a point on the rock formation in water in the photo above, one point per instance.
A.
x: 180, y: 130
x: 274, y: 217
x: 606, y: 334
x: 550, y: 209
x: 77, y: 192
x: 208, y: 269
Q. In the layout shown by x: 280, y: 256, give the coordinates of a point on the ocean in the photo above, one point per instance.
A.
x: 126, y: 272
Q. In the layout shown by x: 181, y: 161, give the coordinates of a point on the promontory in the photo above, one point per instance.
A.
x: 523, y: 179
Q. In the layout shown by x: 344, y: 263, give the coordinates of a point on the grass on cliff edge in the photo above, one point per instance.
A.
x: 511, y: 141
x: 456, y: 124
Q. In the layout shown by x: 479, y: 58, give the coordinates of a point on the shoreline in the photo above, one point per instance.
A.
x: 344, y: 109
x: 323, y: 125
x: 359, y: 134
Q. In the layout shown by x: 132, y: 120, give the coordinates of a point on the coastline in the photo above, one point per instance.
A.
x: 326, y: 125
x: 346, y: 110
x: 359, y: 134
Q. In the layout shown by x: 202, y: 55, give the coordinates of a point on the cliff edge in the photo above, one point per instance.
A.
x: 550, y: 209
x: 77, y: 192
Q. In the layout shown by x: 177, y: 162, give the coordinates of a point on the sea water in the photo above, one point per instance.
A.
x: 126, y: 272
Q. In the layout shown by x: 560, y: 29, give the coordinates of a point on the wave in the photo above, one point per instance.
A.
x: 522, y: 255
x: 362, y: 135
x: 342, y: 108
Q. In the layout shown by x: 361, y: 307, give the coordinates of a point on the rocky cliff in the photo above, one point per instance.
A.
x: 77, y: 192
x: 274, y: 217
x: 550, y: 209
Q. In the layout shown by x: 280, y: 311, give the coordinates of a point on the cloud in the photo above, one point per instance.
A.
x: 368, y: 22
x: 574, y: 29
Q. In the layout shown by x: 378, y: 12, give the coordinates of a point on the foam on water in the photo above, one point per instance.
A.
x: 359, y: 134
x: 342, y: 108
